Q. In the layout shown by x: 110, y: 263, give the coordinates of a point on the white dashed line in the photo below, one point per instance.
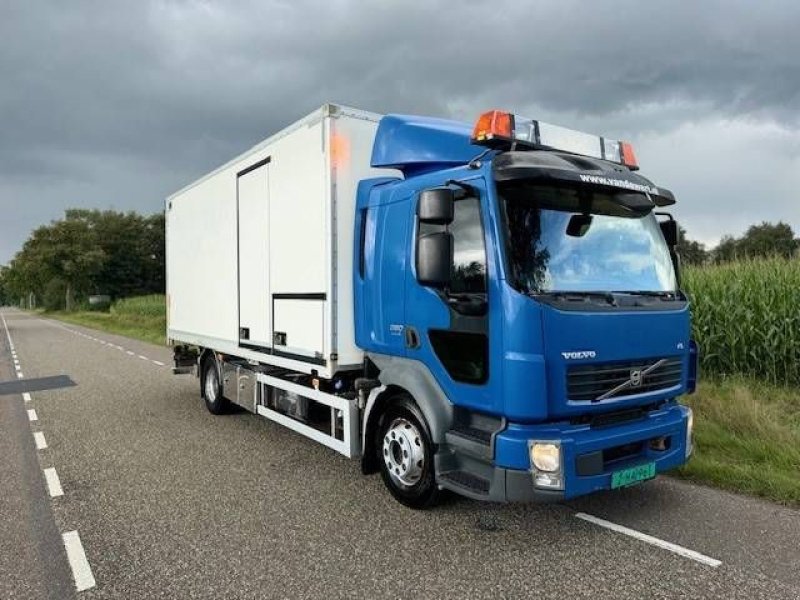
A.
x: 38, y: 437
x: 129, y: 352
x: 32, y: 416
x: 81, y: 571
x: 143, y: 357
x: 20, y: 375
x: 685, y: 552
x: 159, y: 363
x: 26, y: 396
x: 53, y: 482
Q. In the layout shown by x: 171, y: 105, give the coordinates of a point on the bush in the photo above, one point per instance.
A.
x: 746, y: 318
x: 153, y: 305
x: 54, y: 297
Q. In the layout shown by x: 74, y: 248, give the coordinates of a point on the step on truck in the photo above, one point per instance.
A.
x: 491, y: 309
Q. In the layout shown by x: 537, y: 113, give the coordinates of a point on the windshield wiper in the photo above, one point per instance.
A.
x: 608, y: 297
x: 649, y: 294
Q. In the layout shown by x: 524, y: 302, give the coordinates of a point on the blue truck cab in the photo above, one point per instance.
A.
x: 517, y: 299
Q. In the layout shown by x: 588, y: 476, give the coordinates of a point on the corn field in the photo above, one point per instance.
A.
x: 746, y: 318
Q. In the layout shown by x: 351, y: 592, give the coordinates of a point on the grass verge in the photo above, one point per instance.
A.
x: 143, y: 318
x: 747, y: 438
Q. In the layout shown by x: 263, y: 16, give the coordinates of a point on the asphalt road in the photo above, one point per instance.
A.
x: 169, y: 501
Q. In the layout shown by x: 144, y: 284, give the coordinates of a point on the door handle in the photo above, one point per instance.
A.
x: 412, y: 337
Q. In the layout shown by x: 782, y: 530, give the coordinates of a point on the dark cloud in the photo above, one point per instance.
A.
x: 116, y: 104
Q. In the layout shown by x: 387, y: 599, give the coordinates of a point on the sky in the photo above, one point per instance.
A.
x: 115, y: 105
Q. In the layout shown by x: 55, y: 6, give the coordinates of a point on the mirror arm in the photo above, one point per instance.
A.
x: 464, y: 186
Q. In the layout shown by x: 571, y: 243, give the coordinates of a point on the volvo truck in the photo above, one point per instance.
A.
x: 490, y: 308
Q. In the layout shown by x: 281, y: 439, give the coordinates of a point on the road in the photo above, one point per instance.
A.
x: 168, y: 501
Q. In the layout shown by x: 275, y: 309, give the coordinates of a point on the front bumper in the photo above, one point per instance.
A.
x: 589, y: 454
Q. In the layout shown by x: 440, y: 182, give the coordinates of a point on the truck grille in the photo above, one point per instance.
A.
x: 589, y: 382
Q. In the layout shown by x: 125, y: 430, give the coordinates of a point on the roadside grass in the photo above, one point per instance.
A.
x: 747, y: 438
x: 142, y: 317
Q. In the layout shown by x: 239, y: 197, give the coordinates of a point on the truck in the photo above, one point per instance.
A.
x: 492, y: 309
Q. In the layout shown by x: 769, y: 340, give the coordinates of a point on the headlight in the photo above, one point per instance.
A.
x: 546, y: 456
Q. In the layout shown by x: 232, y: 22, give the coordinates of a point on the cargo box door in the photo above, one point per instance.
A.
x: 253, y: 255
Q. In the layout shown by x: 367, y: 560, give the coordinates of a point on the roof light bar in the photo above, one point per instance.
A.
x: 499, y: 128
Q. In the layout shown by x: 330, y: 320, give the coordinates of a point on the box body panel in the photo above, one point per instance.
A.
x: 259, y: 252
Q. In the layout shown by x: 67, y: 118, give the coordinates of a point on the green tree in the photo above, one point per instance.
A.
x: 691, y: 252
x: 765, y: 239
x: 86, y: 252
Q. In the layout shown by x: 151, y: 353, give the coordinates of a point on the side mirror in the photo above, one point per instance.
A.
x: 435, y: 259
x: 669, y: 230
x: 436, y: 206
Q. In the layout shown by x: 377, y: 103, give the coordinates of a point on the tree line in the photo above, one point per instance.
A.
x: 765, y: 239
x: 88, y: 252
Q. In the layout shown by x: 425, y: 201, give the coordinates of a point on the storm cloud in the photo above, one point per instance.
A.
x: 116, y: 104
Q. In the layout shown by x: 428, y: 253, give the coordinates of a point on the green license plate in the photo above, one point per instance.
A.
x: 633, y: 475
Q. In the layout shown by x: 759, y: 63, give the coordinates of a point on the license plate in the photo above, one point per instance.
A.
x: 633, y: 475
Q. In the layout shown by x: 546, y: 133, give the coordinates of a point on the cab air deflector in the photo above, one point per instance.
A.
x: 569, y: 169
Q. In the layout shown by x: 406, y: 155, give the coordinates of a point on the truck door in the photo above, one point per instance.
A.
x: 252, y: 214
x: 449, y: 329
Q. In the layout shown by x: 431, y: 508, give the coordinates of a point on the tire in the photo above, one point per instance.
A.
x: 404, y: 451
x: 211, y: 387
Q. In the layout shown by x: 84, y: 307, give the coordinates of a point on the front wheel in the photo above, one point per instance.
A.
x: 405, y: 454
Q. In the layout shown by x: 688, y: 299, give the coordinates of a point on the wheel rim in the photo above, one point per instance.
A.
x: 404, y: 452
x: 211, y: 386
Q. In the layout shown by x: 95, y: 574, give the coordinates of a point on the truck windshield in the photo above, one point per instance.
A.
x: 565, y: 240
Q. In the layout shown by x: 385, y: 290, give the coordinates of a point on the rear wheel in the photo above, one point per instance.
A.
x: 405, y: 454
x: 211, y: 386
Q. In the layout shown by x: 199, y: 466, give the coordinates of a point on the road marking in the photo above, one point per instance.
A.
x: 26, y: 396
x: 129, y: 352
x: 20, y: 375
x: 143, y: 357
x: 53, y: 482
x: 8, y: 335
x: 685, y: 552
x: 159, y: 363
x: 32, y: 415
x: 81, y: 571
x: 38, y: 437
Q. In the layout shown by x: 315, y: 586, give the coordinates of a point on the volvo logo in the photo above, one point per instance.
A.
x: 637, y: 377
x: 579, y: 354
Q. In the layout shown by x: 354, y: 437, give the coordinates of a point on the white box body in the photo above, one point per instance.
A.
x: 260, y: 251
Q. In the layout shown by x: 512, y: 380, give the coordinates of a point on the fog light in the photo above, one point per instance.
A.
x: 548, y: 480
x: 546, y: 456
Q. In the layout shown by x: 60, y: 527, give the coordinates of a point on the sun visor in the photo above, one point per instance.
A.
x: 568, y: 169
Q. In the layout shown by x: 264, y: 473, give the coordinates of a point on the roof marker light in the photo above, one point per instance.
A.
x: 497, y: 128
